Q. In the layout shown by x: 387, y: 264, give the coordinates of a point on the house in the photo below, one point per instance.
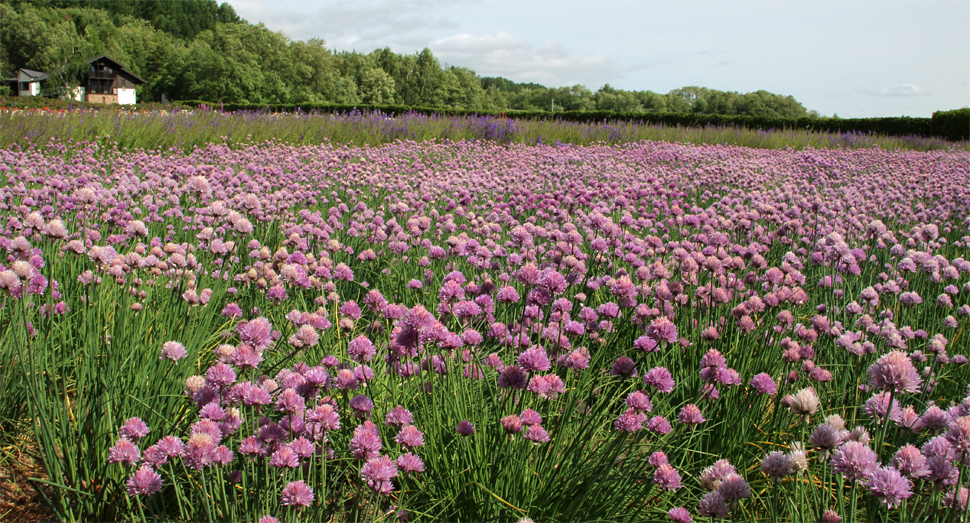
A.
x: 27, y: 82
x: 109, y: 83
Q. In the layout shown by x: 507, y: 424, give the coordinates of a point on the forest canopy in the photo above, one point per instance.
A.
x: 202, y: 50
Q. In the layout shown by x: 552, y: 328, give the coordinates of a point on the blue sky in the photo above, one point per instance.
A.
x: 856, y: 58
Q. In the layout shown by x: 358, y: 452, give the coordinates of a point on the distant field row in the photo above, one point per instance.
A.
x: 185, y: 130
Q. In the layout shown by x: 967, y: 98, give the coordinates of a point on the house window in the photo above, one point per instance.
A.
x: 96, y: 86
x: 24, y: 86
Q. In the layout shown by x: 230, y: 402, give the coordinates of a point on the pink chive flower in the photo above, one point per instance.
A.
x: 296, y: 494
x: 144, y: 482
x: 173, y: 350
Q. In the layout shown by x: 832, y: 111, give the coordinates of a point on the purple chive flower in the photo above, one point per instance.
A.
x: 144, y: 482
x: 134, y: 429
x: 324, y: 415
x: 512, y: 423
x: 878, y: 407
x: 507, y: 294
x: 959, y: 437
x: 934, y: 419
x: 268, y: 519
x: 198, y: 451
x: 410, y: 437
x: 659, y: 424
x: 350, y: 309
x: 410, y: 463
x: 399, y: 416
x: 690, y: 415
x: 154, y: 457
x: 361, y: 349
x: 303, y: 447
x: 894, y: 372
x: 284, y: 457
x: 378, y: 472
x: 232, y: 310
x: 805, y: 402
x: 662, y: 329
x: 466, y: 428
x: 680, y: 515
x: 296, y: 494
x: 646, y: 344
x: 660, y: 379
x: 220, y: 375
x: 547, y: 387
x: 630, y: 421
x: 257, y: 333
x: 361, y: 405
x: 290, y: 401
x: 530, y: 417
x: 711, y: 476
x: 956, y: 499
x: 124, y: 451
x: 666, y: 477
x: 856, y: 461
x: 657, y: 458
x: 624, y: 366
x: 534, y: 359
x: 764, y: 384
x: 889, y: 485
x: 366, y: 443
x: 825, y: 438
x: 712, y: 505
x: 831, y: 516
x: 513, y: 376
x: 222, y: 455
x: 577, y: 359
x: 173, y: 350
x: 911, y: 462
x: 639, y: 400
x: 346, y: 380
x: 733, y: 487
x: 171, y: 446
x: 536, y: 434
x: 776, y: 465
x: 251, y: 446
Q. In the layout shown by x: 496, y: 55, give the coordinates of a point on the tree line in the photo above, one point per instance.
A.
x: 201, y: 50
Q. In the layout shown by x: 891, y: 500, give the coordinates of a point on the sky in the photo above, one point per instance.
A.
x: 854, y: 58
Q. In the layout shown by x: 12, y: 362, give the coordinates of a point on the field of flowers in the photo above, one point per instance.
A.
x: 476, y: 331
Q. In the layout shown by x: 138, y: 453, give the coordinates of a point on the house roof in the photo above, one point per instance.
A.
x: 117, y: 65
x: 34, y: 75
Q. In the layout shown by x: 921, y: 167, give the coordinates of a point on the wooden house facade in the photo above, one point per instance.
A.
x: 27, y: 82
x: 109, y: 83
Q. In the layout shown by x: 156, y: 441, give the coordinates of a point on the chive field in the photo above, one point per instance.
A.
x: 245, y: 317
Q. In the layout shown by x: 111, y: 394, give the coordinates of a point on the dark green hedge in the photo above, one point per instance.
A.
x: 953, y: 125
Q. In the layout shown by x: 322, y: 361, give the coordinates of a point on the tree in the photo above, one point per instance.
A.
x: 376, y: 86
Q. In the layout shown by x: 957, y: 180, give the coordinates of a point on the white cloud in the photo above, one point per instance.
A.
x: 360, y: 25
x: 902, y: 90
x: 517, y: 59
x: 406, y: 26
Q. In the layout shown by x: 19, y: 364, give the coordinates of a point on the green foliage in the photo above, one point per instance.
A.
x: 953, y: 125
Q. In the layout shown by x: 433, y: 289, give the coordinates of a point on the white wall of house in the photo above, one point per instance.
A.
x: 126, y: 96
x: 77, y: 94
x: 33, y: 87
